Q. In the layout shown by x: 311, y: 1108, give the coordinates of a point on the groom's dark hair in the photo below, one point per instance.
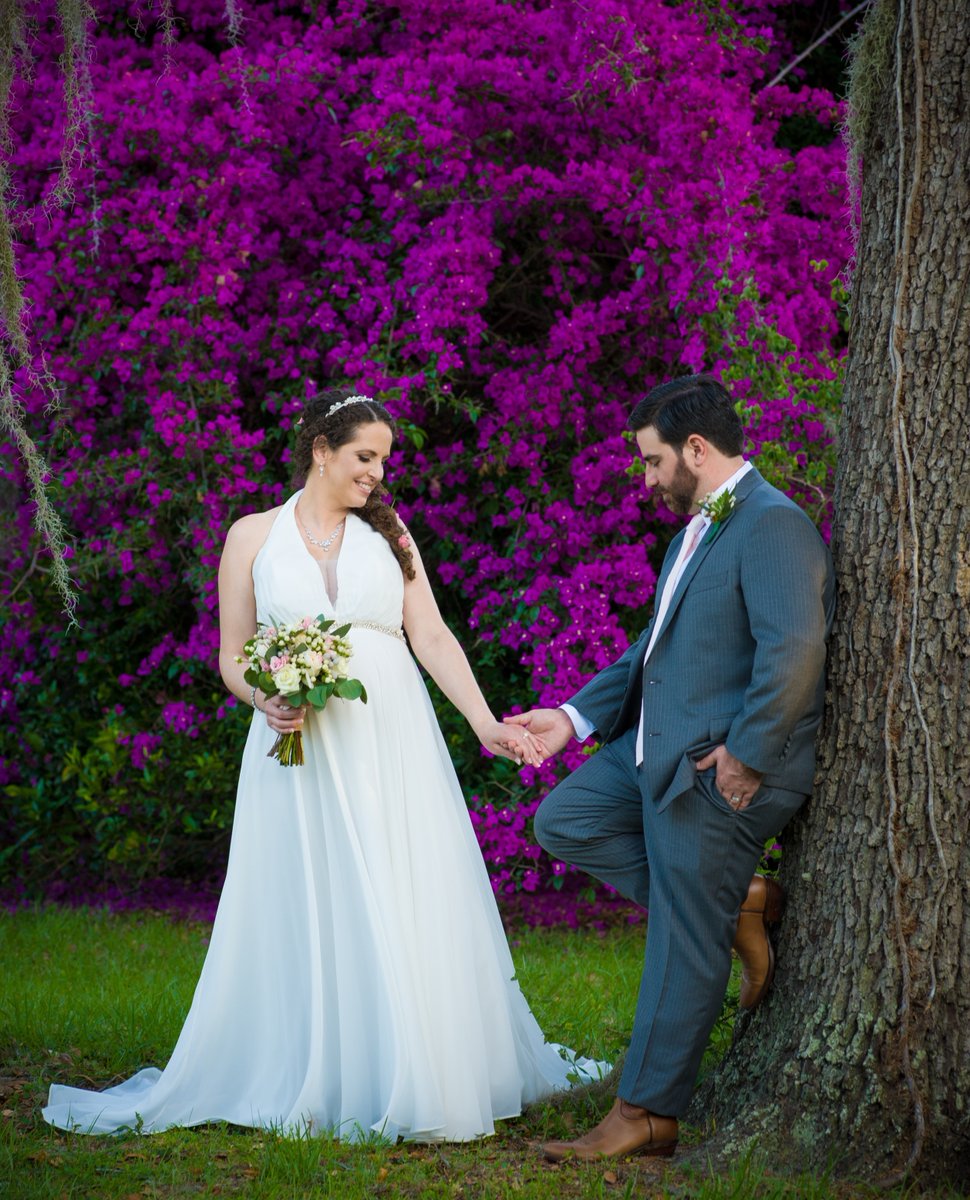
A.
x: 692, y: 404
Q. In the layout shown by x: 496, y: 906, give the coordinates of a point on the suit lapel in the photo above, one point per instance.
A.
x: 744, y: 489
x: 673, y: 551
x: 689, y: 572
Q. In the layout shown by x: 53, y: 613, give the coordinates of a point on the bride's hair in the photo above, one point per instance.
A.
x: 328, y: 415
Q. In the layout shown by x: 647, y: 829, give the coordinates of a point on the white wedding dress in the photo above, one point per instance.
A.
x: 358, y: 978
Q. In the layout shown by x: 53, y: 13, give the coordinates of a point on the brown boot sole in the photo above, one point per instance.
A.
x: 651, y: 1150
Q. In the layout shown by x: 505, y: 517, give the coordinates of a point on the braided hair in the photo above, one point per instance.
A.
x: 339, y: 427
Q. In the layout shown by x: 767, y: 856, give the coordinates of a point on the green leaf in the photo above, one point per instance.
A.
x: 294, y: 699
x: 342, y: 631
x: 348, y: 689
x: 319, y: 695
x: 266, y: 684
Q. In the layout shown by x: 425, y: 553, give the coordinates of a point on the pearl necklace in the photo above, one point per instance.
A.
x: 327, y: 542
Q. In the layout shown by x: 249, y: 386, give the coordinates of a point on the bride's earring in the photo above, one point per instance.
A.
x: 321, y: 469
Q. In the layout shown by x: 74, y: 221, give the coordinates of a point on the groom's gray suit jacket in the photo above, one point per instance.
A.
x: 739, y: 659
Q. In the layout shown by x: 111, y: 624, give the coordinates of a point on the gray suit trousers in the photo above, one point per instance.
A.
x: 689, y: 866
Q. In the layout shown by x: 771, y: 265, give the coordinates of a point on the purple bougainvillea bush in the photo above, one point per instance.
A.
x: 507, y: 220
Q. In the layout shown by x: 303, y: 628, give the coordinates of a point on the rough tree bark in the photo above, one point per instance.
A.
x: 862, y: 1054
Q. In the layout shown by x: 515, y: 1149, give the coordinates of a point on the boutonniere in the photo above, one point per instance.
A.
x: 717, y: 509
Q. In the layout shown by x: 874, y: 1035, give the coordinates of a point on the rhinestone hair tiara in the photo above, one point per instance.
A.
x: 350, y: 400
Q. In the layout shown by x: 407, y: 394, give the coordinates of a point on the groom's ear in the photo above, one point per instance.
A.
x: 695, y: 449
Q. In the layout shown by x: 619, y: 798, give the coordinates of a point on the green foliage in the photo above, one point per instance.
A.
x: 88, y: 814
x: 766, y: 368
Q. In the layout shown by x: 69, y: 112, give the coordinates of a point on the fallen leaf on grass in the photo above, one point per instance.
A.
x: 609, y: 1177
x: 41, y: 1156
x: 64, y: 1057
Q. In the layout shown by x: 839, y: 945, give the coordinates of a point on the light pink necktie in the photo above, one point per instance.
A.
x: 692, y: 535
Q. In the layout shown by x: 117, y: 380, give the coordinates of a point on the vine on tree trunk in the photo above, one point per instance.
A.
x: 909, y: 548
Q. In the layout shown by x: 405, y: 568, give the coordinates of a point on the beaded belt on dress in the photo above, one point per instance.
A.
x: 388, y: 629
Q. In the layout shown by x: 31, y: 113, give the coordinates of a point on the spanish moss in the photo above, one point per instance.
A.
x: 46, y: 519
x: 75, y: 18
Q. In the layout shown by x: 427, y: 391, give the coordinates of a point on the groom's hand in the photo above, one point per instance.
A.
x: 550, y: 724
x: 736, y: 782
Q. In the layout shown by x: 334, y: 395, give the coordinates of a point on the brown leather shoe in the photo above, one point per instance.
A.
x: 762, y: 907
x: 625, y: 1129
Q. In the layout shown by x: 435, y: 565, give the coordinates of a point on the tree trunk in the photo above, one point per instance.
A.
x: 861, y: 1056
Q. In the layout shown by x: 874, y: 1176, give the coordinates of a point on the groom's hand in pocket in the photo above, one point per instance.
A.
x: 736, y: 782
x: 552, y: 725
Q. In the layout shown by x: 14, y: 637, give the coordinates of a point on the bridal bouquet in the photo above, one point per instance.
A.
x: 305, y: 662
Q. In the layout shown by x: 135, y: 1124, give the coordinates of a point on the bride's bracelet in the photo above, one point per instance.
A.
x: 252, y: 700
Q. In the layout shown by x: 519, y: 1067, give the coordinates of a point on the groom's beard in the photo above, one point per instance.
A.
x: 680, y: 496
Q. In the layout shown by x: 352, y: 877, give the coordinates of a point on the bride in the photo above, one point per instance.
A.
x: 358, y: 978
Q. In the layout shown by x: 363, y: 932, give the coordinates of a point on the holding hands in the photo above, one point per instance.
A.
x: 551, y: 726
x: 521, y: 745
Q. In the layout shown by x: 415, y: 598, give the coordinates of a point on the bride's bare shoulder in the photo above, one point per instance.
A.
x: 248, y: 533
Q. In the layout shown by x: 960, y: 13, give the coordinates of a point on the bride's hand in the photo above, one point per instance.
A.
x: 280, y: 716
x: 520, y: 745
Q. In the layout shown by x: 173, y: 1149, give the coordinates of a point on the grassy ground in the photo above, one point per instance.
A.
x: 87, y: 998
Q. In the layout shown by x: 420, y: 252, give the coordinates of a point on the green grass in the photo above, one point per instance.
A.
x: 87, y: 998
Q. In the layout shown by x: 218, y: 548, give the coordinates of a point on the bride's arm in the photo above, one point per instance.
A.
x: 437, y: 649
x: 237, y: 618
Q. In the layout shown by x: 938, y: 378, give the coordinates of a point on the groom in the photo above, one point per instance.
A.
x: 708, y: 728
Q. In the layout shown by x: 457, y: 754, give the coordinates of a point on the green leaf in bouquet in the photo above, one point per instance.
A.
x: 294, y: 699
x: 342, y: 631
x: 350, y: 689
x: 251, y: 676
x: 266, y: 684
x: 319, y: 695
